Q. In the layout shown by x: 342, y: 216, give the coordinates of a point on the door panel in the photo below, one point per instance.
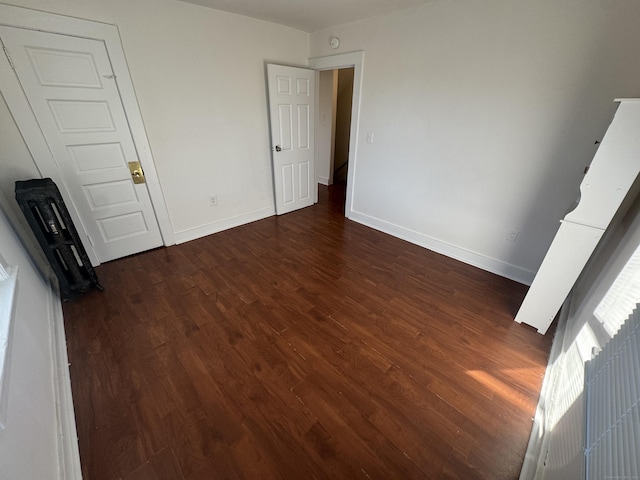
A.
x: 305, y: 179
x: 64, y: 69
x: 285, y: 122
x: 303, y: 127
x: 287, y: 184
x: 73, y: 116
x: 96, y: 158
x: 291, y: 108
x: 102, y: 195
x: 70, y: 86
x: 122, y: 226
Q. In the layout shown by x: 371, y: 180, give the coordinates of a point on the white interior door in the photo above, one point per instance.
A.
x: 70, y: 86
x: 291, y: 109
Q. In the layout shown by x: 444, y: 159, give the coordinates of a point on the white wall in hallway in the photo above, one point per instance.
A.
x: 326, y: 125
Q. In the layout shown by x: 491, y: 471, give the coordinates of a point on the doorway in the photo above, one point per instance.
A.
x: 335, y: 96
x: 354, y: 63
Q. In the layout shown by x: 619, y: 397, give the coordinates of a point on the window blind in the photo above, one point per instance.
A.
x: 621, y: 298
x: 612, y: 382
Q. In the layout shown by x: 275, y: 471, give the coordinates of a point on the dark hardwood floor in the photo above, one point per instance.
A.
x: 300, y: 347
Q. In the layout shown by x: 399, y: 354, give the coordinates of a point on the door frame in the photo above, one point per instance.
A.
x: 332, y: 62
x: 28, y: 19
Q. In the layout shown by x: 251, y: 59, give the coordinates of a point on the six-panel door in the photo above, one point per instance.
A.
x: 291, y: 106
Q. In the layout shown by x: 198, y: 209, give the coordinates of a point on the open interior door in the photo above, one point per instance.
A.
x: 291, y: 109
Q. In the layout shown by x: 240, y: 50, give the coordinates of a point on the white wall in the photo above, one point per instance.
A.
x: 199, y: 76
x: 34, y: 443
x: 16, y: 163
x: 326, y: 125
x: 343, y: 122
x: 15, y: 160
x: 485, y: 114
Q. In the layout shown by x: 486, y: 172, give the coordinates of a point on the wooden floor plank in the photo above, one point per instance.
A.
x: 301, y: 346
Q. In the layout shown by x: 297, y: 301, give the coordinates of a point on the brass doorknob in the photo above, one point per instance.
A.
x: 136, y: 172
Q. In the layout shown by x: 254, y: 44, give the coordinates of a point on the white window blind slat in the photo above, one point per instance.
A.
x: 613, y: 406
x: 626, y: 430
x: 622, y: 297
x: 635, y: 443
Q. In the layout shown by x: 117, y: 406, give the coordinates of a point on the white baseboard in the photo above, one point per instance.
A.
x: 533, y: 466
x: 323, y: 180
x: 492, y: 265
x: 504, y: 269
x: 215, y: 227
x: 68, y: 451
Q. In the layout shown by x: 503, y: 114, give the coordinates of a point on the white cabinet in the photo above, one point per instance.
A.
x: 612, y: 172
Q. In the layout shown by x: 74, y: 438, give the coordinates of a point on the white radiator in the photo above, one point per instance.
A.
x: 612, y: 384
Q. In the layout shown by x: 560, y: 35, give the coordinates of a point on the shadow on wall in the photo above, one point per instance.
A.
x: 25, y: 235
x: 566, y: 459
x: 588, y: 113
x: 16, y: 164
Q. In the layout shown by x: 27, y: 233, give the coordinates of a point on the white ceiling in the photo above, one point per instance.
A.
x: 309, y: 15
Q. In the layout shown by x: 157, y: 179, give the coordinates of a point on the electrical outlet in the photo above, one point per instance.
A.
x: 513, y: 236
x: 213, y: 200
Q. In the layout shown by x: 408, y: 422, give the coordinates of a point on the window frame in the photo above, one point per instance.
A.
x: 8, y: 300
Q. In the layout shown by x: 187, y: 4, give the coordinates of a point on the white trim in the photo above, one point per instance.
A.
x: 35, y: 20
x: 489, y: 264
x: 538, y: 446
x: 323, y: 181
x: 68, y: 450
x: 345, y: 60
x: 215, y: 227
x: 316, y: 126
x: 8, y: 296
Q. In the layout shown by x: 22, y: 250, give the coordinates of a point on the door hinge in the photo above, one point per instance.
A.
x: 6, y: 52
